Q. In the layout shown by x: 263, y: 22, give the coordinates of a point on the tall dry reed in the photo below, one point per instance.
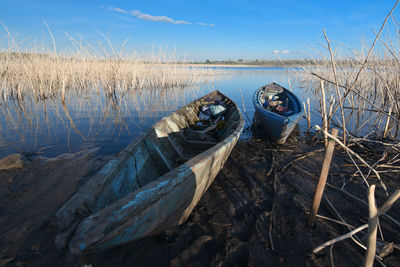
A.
x: 41, y: 87
x: 363, y: 87
x: 48, y: 73
x: 359, y: 93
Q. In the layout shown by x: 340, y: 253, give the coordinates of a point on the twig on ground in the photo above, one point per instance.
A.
x: 271, y: 168
x: 300, y: 157
x: 335, y: 221
x: 354, y: 238
x: 390, y: 218
x: 383, y: 209
x: 272, y: 212
x: 339, y: 238
x: 358, y: 169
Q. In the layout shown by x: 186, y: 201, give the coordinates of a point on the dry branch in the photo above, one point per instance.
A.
x: 356, y: 155
x: 372, y: 228
x: 385, y: 207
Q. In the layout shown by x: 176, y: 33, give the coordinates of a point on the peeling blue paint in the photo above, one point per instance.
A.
x: 107, y: 169
x: 141, y: 195
x: 82, y: 246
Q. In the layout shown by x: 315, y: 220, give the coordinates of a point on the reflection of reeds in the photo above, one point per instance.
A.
x: 89, y: 116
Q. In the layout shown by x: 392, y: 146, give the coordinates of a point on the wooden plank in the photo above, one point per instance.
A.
x: 319, y: 191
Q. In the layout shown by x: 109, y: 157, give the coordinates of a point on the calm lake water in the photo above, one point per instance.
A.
x: 53, y: 127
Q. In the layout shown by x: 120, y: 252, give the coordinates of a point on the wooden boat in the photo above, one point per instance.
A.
x: 278, y: 110
x: 152, y: 184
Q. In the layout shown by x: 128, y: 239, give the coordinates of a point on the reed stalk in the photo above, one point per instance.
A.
x: 365, y: 85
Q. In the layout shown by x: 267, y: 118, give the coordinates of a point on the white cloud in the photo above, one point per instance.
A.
x: 281, y: 51
x: 144, y: 16
x: 205, y: 24
x: 148, y: 17
x: 119, y: 10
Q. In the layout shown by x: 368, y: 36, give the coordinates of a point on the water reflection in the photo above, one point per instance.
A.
x: 110, y: 120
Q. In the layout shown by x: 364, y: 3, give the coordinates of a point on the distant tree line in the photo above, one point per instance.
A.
x: 229, y: 62
x: 281, y: 63
x: 261, y: 62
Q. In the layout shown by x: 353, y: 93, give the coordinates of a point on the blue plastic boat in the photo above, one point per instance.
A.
x: 278, y: 110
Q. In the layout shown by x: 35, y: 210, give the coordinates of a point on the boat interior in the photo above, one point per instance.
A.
x: 275, y: 98
x: 169, y: 143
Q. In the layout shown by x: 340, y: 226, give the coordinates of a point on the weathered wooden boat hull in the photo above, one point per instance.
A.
x: 127, y: 201
x: 278, y: 127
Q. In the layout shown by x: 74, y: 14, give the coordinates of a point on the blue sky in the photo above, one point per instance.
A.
x: 199, y: 30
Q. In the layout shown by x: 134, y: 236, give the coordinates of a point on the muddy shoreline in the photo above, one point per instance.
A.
x: 254, y: 214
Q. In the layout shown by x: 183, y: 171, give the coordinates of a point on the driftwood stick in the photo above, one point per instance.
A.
x: 383, y: 209
x: 387, y: 123
x: 319, y: 191
x: 357, y: 156
x: 372, y: 228
x: 307, y: 113
x: 324, y: 115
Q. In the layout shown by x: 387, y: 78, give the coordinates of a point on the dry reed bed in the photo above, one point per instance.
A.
x: 40, y: 87
x: 360, y: 95
x: 367, y: 107
x: 40, y: 90
x: 48, y: 76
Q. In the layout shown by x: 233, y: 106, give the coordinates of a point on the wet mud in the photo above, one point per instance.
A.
x: 254, y: 213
